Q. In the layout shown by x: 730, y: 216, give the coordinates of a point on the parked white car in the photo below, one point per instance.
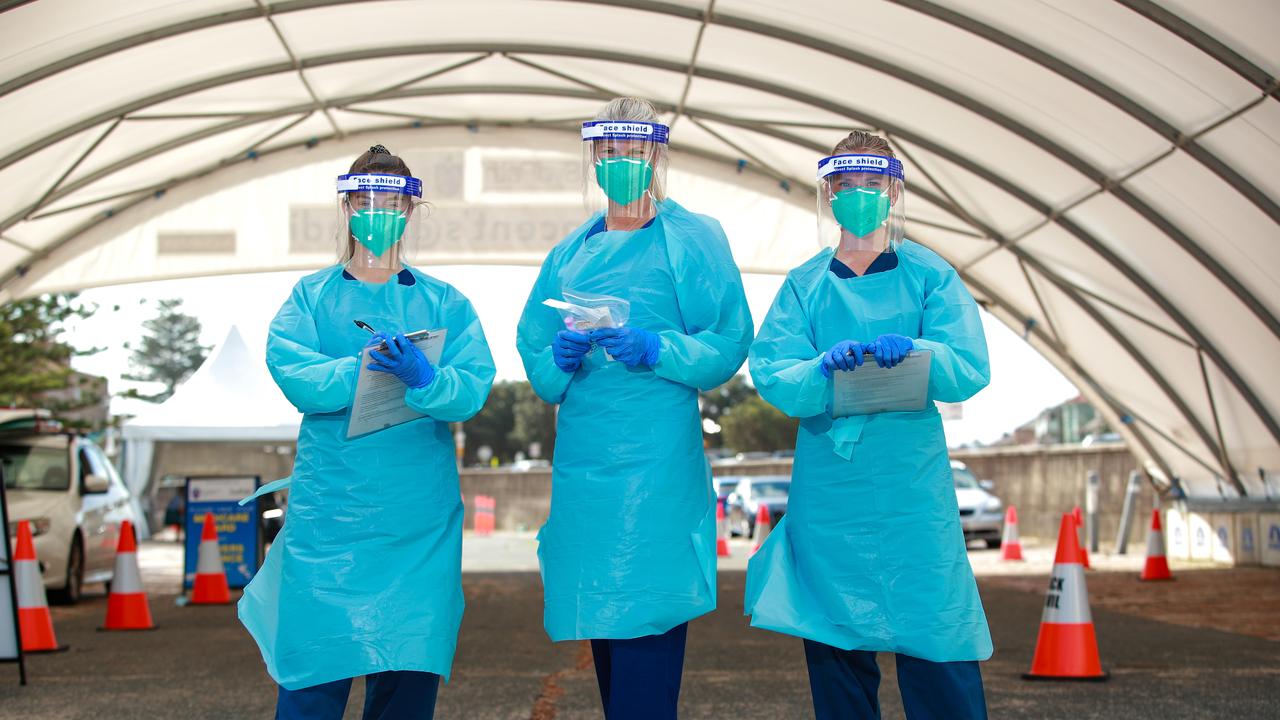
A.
x: 981, y: 512
x: 68, y: 490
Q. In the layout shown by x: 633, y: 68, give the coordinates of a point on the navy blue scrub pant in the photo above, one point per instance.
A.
x: 640, y: 678
x: 846, y: 684
x: 394, y: 695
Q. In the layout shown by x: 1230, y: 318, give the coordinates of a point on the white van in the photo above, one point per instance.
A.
x: 68, y: 490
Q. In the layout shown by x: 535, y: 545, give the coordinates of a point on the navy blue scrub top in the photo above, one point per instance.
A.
x: 884, y: 261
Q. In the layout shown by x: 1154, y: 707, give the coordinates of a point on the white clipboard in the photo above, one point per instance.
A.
x: 873, y: 389
x: 379, y: 400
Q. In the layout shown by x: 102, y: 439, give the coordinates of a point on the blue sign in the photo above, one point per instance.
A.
x: 239, y: 528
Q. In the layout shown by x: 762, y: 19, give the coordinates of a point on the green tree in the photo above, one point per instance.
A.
x: 715, y: 403
x: 753, y: 424
x: 535, y: 422
x: 492, y: 426
x: 512, y: 418
x: 35, y: 361
x: 170, y: 350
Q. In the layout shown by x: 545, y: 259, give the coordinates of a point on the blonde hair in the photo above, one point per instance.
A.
x: 863, y: 142
x: 634, y: 109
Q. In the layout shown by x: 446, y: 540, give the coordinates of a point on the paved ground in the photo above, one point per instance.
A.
x: 201, y: 665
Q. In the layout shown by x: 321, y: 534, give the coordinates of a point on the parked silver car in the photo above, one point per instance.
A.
x: 981, y: 512
x: 752, y: 491
x: 68, y: 490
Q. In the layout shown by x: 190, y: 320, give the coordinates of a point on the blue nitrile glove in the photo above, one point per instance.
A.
x: 405, y: 361
x: 630, y: 346
x: 890, y: 350
x: 377, y: 339
x: 567, y: 349
x: 844, y: 355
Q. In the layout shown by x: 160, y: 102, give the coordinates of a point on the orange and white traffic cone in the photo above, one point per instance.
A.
x: 35, y: 624
x: 1010, y: 545
x: 127, y: 607
x: 210, y: 587
x: 1157, y: 566
x: 764, y: 524
x: 722, y: 531
x: 1067, y: 647
x: 1077, y: 517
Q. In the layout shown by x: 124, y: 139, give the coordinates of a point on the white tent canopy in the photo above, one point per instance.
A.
x: 1102, y: 173
x: 230, y: 398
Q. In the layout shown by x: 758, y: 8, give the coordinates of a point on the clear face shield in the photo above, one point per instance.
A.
x: 624, y: 167
x: 861, y: 205
x: 378, y: 214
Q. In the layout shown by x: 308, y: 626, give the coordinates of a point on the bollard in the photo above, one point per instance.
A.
x: 1091, y: 510
x: 1126, y: 513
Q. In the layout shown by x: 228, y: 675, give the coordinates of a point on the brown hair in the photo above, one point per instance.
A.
x: 861, y: 141
x: 378, y: 159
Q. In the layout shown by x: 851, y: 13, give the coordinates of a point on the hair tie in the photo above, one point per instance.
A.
x: 379, y: 150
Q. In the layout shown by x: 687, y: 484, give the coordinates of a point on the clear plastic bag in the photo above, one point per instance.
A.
x: 583, y: 312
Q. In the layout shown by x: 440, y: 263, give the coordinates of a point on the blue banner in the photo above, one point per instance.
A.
x: 239, y: 527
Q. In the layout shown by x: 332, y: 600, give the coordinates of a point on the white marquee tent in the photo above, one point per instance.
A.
x: 1102, y: 172
x: 211, y: 406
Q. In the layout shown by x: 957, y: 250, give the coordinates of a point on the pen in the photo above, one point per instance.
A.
x: 365, y: 326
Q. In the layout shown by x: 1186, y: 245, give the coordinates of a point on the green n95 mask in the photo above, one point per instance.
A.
x: 377, y: 230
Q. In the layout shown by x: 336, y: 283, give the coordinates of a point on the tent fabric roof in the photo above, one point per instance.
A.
x: 211, y: 406
x: 1102, y: 173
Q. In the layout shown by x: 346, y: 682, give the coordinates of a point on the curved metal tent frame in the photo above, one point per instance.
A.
x: 1185, y: 436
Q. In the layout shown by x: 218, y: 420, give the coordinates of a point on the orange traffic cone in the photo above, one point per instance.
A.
x: 764, y: 523
x: 127, y: 607
x: 1157, y: 567
x: 1077, y: 517
x: 1067, y: 648
x: 1010, y: 545
x: 722, y: 531
x: 211, y: 576
x: 35, y: 624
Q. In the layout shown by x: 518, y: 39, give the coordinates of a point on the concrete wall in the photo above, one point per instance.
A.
x: 1043, y: 482
x: 523, y: 499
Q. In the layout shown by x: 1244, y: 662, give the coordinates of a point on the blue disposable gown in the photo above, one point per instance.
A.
x: 366, y: 575
x: 629, y: 547
x: 870, y: 555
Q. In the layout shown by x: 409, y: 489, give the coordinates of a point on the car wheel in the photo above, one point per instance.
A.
x: 993, y: 543
x: 70, y: 594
